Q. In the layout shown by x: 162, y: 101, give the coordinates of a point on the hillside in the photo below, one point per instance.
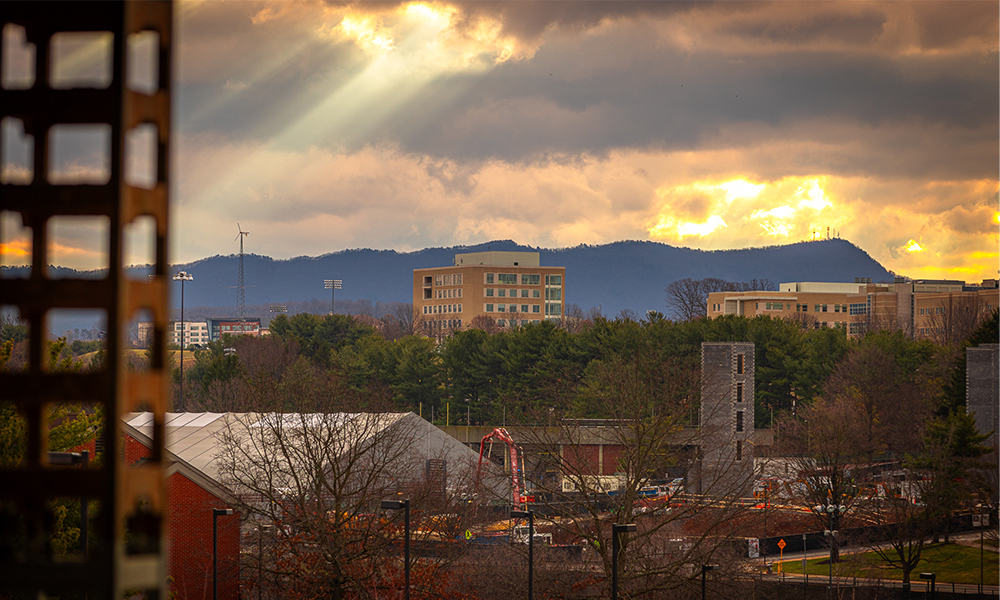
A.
x: 622, y: 275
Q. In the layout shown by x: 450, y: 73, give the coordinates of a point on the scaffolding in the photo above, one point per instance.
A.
x: 127, y: 545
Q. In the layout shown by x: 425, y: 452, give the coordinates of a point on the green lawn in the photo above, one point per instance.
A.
x: 951, y: 563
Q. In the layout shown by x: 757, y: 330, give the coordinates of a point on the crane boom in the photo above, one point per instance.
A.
x: 516, y: 472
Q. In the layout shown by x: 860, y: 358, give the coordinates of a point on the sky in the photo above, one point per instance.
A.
x: 319, y: 127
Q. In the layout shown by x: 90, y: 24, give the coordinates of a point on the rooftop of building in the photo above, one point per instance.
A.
x: 498, y: 258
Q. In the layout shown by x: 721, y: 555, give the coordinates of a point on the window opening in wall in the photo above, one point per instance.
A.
x: 739, y: 450
x: 739, y: 420
x: 739, y: 392
x: 739, y: 364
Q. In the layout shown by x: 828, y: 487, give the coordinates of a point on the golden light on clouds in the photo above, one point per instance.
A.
x: 913, y: 246
x: 18, y: 248
x: 368, y: 34
x: 790, y: 209
x: 479, y: 42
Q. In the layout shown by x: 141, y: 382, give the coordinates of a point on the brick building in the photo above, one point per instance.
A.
x: 511, y: 287
x: 194, y: 488
x: 191, y: 496
x: 924, y: 308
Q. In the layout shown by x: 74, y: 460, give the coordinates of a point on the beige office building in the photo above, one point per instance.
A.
x: 510, y: 287
x: 923, y: 308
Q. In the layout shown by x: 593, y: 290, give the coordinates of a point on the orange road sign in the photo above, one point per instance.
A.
x: 781, y: 543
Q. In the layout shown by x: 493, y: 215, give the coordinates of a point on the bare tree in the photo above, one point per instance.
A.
x: 647, y: 438
x: 803, y: 319
x: 955, y: 318
x: 687, y: 299
x: 575, y: 320
x: 314, y: 481
x: 486, y: 323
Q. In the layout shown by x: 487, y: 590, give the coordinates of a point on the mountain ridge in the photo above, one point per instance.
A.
x: 628, y: 274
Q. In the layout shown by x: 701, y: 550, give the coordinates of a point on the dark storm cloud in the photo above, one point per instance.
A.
x: 519, y: 111
x: 626, y: 86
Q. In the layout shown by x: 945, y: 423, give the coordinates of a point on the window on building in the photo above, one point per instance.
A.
x: 502, y: 293
x: 553, y: 280
x: 824, y: 307
x: 535, y: 308
x: 459, y: 292
x: 501, y: 308
x: 536, y: 293
x: 739, y: 450
x: 818, y: 307
x: 524, y: 308
x: 527, y: 279
x: 437, y: 280
x: 525, y: 293
x: 553, y: 294
x: 739, y: 420
x: 458, y: 279
x: 489, y: 308
x: 739, y: 392
x: 427, y: 281
x: 489, y: 292
x: 739, y: 364
x: 507, y: 278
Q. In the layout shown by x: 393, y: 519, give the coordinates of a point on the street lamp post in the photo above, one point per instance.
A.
x: 706, y: 569
x: 617, y: 528
x: 530, y: 515
x: 182, y: 276
x: 831, y: 510
x: 216, y: 513
x: 932, y: 578
x: 403, y: 505
x: 260, y: 558
x: 333, y: 285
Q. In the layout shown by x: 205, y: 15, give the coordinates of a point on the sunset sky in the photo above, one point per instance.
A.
x: 320, y: 127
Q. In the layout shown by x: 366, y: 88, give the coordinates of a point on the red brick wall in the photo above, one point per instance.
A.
x: 134, y: 450
x: 611, y: 456
x: 190, y: 529
x: 583, y: 458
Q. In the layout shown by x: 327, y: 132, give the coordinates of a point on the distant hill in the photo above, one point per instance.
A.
x: 615, y: 276
x: 621, y: 275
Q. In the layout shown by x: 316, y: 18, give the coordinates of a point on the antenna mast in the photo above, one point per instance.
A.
x: 240, y: 297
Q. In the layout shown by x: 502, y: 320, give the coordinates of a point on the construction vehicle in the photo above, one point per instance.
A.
x: 516, y: 463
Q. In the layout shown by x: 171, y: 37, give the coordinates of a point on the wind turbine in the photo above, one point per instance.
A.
x: 240, y: 299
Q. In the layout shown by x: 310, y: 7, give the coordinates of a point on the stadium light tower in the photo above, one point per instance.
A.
x: 333, y: 285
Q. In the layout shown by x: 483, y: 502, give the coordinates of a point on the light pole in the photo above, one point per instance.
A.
x: 216, y: 513
x: 706, y: 569
x: 260, y: 558
x: 182, y: 276
x: 333, y: 285
x: 932, y: 577
x: 530, y: 515
x: 617, y: 528
x: 403, y: 505
x: 832, y: 510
